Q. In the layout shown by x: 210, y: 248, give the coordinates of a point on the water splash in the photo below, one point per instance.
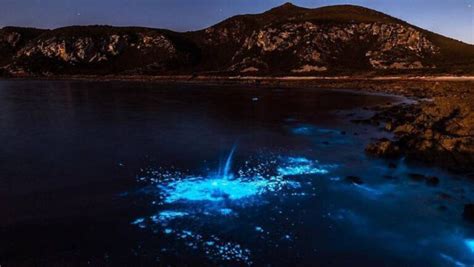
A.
x: 226, y: 172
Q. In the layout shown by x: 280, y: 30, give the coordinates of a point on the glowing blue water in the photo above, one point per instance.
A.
x: 224, y: 187
x: 226, y: 173
x: 201, y: 196
x: 470, y: 244
x: 167, y: 215
x: 212, y: 189
x: 219, y: 199
x: 292, y: 213
x: 300, y: 166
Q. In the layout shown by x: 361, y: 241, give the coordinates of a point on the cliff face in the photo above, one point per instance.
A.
x: 287, y: 40
x: 101, y: 50
x: 95, y: 49
x: 309, y: 47
x: 12, y: 39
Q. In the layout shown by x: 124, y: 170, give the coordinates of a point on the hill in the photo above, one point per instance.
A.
x: 286, y: 40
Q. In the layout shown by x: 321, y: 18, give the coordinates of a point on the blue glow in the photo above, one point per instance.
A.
x: 309, y: 129
x: 252, y: 181
x: 222, y: 193
x: 470, y: 244
x: 298, y: 160
x: 214, y: 189
x: 214, y: 247
x: 225, y: 187
x: 300, y: 166
x: 346, y: 216
x: 368, y: 189
x: 300, y: 170
x: 375, y: 191
x: 226, y: 211
x: 228, y: 163
x: 168, y: 215
x: 138, y: 221
x: 303, y: 130
x: 452, y: 260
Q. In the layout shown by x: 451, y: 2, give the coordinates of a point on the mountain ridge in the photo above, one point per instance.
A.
x: 284, y: 40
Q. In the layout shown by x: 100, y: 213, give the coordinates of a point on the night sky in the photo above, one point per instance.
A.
x: 453, y: 18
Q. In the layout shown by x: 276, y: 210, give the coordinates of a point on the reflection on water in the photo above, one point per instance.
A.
x: 146, y: 174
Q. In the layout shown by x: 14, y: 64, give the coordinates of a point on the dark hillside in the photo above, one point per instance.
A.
x: 286, y: 40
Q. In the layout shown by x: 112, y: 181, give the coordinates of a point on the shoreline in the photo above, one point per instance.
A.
x: 438, y: 129
x: 238, y: 78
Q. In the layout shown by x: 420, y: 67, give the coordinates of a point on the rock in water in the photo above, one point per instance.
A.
x: 383, y: 148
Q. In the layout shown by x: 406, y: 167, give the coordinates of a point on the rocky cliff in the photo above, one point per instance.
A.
x: 310, y: 47
x: 103, y: 50
x: 12, y: 39
x: 287, y: 40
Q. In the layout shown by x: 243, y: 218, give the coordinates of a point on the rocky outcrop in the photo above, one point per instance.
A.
x: 12, y: 39
x: 90, y: 49
x: 439, y: 131
x: 384, y: 147
x: 312, y: 47
x: 107, y: 49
